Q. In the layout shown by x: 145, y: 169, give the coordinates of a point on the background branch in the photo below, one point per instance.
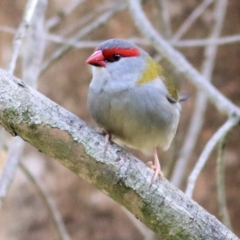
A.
x: 9, y: 170
x: 191, y: 19
x: 179, y: 63
x: 198, y: 116
x: 49, y: 202
x: 53, y: 21
x: 33, y: 20
x: 27, y: 17
x: 165, y: 18
x: 83, y: 32
x: 226, y: 127
x: 222, y: 199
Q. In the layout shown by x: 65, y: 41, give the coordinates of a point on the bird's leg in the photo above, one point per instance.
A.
x: 156, y: 167
x: 107, y: 140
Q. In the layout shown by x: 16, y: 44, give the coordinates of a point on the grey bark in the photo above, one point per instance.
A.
x: 60, y: 134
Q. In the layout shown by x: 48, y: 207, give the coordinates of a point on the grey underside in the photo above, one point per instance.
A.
x: 139, y: 117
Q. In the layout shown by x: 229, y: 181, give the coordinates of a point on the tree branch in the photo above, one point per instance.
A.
x: 83, y: 32
x: 59, y: 134
x: 31, y: 26
x: 179, y: 63
x: 53, y: 21
x: 198, y: 116
x: 191, y: 19
x: 49, y: 203
x: 222, y: 131
x: 10, y: 167
x: 221, y: 193
x: 17, y: 42
x: 165, y: 18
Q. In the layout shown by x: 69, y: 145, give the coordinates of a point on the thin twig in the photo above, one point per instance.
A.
x: 49, y: 202
x: 78, y: 44
x: 166, y: 22
x: 191, y: 19
x: 7, y: 29
x: 16, y: 145
x: 222, y: 202
x: 9, y: 169
x: 227, y: 126
x: 179, y: 63
x: 53, y: 21
x: 17, y: 42
x: 34, y: 58
x: 211, y: 51
x: 147, y: 233
x: 86, y: 30
x: 183, y: 43
x: 88, y: 44
x: 206, y: 42
x: 201, y: 101
x: 85, y: 19
x: 3, y: 142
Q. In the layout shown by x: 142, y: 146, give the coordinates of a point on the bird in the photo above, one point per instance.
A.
x: 133, y: 99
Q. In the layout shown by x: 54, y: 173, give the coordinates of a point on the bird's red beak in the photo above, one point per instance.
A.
x: 97, y: 59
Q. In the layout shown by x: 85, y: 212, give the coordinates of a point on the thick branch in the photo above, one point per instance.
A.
x: 59, y: 134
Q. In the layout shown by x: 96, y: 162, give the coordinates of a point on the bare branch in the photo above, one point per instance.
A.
x: 147, y: 233
x: 183, y: 43
x: 211, y: 51
x: 31, y: 65
x: 7, y: 29
x: 86, y: 18
x: 227, y: 126
x: 201, y: 101
x: 179, y: 63
x: 166, y: 23
x: 17, y: 42
x: 205, y: 42
x: 88, y: 44
x: 32, y: 59
x: 60, y: 134
x: 222, y: 200
x: 191, y: 19
x: 53, y: 21
x: 86, y: 30
x: 9, y: 169
x: 49, y: 202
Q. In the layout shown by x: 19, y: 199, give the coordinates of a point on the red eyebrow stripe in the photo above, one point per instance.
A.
x: 124, y: 52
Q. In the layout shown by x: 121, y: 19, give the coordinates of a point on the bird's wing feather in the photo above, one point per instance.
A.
x: 152, y: 71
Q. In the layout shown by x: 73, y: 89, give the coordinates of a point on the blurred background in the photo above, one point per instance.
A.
x: 79, y: 26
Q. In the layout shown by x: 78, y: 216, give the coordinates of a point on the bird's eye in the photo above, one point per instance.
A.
x: 116, y: 57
